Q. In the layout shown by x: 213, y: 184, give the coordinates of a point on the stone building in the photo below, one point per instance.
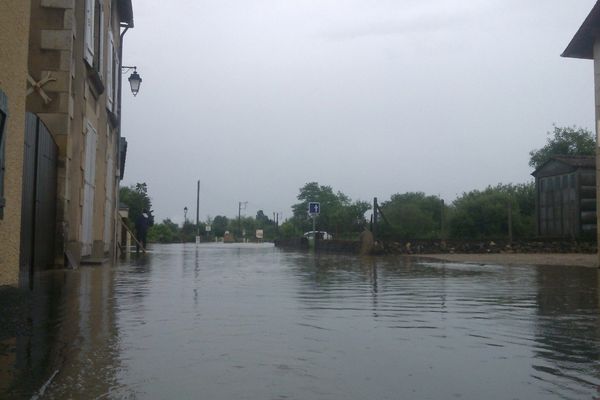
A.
x: 14, y: 34
x: 69, y: 83
x: 586, y: 45
x: 566, y: 197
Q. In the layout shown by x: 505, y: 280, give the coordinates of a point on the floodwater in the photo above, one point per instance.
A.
x: 256, y: 322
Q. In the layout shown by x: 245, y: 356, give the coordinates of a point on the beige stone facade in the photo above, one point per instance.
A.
x: 77, y: 42
x: 14, y: 34
x: 70, y: 49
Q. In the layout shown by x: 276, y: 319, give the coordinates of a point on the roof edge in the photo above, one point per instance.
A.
x: 582, y: 44
x: 126, y: 12
x: 561, y: 158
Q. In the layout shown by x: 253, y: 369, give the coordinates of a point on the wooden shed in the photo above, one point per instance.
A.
x: 566, y: 197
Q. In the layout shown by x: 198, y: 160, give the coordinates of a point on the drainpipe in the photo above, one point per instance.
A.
x: 118, y: 144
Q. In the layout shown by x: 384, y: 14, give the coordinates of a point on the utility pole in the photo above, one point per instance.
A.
x: 198, y: 213
x: 240, y: 215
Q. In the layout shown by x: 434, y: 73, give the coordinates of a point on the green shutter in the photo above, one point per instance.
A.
x: 3, y: 115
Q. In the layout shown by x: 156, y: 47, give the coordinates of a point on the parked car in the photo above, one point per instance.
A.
x: 321, y: 235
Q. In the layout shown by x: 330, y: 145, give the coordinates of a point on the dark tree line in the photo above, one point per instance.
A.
x: 477, y: 214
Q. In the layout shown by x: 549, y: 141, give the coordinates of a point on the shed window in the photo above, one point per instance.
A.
x: 3, y: 115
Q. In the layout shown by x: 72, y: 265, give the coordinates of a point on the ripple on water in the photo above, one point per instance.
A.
x: 245, y: 321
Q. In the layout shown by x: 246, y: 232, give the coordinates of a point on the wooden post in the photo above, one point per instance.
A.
x: 510, y: 230
x: 442, y: 220
x: 133, y: 236
x: 375, y: 212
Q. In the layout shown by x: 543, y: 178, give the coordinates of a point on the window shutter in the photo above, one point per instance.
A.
x: 101, y: 41
x: 3, y: 115
x: 89, y: 183
x: 109, y: 72
x: 88, y: 52
x: 116, y: 76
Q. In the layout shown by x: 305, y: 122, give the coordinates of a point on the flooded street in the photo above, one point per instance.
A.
x: 255, y: 322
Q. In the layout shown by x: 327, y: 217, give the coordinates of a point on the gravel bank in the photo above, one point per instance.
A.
x: 559, y: 259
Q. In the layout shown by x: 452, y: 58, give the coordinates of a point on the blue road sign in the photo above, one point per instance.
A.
x: 314, y: 207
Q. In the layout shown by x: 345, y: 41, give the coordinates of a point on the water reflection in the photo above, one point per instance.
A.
x: 67, y: 329
x: 247, y: 321
x: 567, y: 332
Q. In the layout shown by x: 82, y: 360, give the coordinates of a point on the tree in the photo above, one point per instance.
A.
x: 412, y: 215
x: 137, y: 199
x: 289, y: 230
x: 484, y: 214
x: 165, y: 232
x: 338, y: 214
x: 564, y: 141
x: 189, y: 230
x: 219, y: 225
x: 262, y: 220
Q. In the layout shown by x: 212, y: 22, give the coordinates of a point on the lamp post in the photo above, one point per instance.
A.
x: 185, y: 215
x: 135, y: 80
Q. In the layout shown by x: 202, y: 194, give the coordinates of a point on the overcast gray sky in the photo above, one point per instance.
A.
x: 372, y: 97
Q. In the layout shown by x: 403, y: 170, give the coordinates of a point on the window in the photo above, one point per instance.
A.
x: 88, y: 54
x: 116, y: 78
x: 112, y: 74
x: 89, y: 188
x: 94, y: 35
x: 3, y: 115
x: 99, y: 38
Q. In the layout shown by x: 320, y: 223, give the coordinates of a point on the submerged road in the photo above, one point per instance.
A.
x: 255, y: 322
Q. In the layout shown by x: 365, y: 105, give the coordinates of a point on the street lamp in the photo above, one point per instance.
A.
x: 134, y: 79
x: 184, y: 215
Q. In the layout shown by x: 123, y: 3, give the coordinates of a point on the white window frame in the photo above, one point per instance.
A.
x: 94, y: 36
x: 110, y: 72
x: 88, y: 53
x: 109, y: 191
x: 89, y: 188
x: 116, y: 80
x: 100, y: 66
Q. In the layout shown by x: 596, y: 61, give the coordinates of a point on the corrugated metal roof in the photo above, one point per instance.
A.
x: 582, y: 44
x: 574, y: 162
x: 577, y: 161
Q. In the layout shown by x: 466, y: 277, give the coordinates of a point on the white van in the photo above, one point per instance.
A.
x: 321, y: 235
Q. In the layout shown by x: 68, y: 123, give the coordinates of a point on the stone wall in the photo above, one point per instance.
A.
x: 14, y: 34
x: 447, y: 246
x: 296, y: 243
x: 487, y: 246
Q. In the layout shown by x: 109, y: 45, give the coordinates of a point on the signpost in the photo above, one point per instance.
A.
x: 314, y: 209
x: 207, y: 229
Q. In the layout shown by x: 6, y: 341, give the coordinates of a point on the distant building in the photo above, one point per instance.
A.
x: 566, y: 197
x: 586, y: 44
